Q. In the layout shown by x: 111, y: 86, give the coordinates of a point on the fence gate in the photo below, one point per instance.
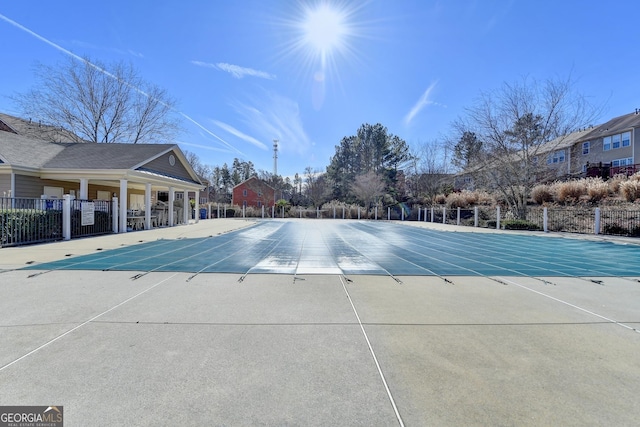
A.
x: 90, y: 218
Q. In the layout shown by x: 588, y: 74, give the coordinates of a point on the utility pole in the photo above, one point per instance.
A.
x: 275, y: 157
x: 275, y: 169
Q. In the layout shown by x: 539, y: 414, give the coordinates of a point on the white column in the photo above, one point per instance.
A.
x: 597, y: 222
x: 114, y: 211
x: 545, y: 220
x: 186, y: 210
x: 147, y: 207
x: 498, y: 218
x: 172, y: 199
x: 66, y: 217
x: 197, y: 206
x: 123, y: 205
x: 475, y: 216
x: 84, y: 189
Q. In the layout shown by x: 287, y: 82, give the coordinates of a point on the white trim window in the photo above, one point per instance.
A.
x: 627, y: 161
x: 556, y: 157
x: 585, y: 148
x: 615, y: 141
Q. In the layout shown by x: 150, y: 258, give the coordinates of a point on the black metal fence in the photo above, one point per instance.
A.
x: 617, y: 222
x: 26, y: 221
x: 96, y: 215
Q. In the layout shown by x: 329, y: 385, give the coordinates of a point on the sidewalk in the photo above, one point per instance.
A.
x: 20, y: 256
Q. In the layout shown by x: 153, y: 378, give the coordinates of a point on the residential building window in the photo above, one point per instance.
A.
x: 259, y: 204
x: 606, y: 143
x: 627, y: 161
x: 585, y: 148
x: 259, y: 193
x: 615, y: 141
x: 556, y: 157
x: 244, y: 193
x: 244, y: 203
x: 626, y: 139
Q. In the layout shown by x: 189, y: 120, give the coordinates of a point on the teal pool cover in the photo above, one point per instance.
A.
x: 363, y: 247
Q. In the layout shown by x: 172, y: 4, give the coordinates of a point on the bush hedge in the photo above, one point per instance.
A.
x: 20, y: 226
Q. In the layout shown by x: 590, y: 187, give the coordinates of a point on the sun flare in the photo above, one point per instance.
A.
x: 324, y: 29
x: 323, y: 37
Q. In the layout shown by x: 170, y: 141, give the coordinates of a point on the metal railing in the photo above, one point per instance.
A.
x: 26, y: 221
x: 101, y: 219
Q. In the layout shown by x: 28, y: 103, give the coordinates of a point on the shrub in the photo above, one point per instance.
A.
x: 440, y: 199
x: 519, y: 224
x: 615, y: 229
x: 24, y: 226
x: 614, y: 183
x: 466, y: 199
x: 570, y: 191
x: 541, y: 194
x: 597, y: 189
x: 630, y: 190
x: 457, y: 200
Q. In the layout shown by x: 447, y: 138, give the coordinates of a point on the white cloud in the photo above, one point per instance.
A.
x: 422, y: 102
x: 235, y: 70
x: 276, y: 117
x: 235, y: 132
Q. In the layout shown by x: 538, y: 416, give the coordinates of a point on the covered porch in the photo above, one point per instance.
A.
x: 141, y: 199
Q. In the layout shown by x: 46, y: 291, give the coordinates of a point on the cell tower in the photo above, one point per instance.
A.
x: 275, y: 157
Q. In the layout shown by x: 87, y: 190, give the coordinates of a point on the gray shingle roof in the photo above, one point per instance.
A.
x: 19, y: 150
x: 37, y: 130
x: 615, y: 125
x: 105, y: 156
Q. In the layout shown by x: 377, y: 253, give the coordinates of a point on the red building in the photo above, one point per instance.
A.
x: 253, y: 192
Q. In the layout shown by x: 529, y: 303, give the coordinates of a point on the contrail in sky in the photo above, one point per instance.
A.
x: 73, y: 55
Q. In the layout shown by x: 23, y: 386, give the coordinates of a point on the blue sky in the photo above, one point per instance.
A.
x: 308, y: 73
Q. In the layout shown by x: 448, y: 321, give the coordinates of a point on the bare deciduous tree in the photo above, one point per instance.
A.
x: 516, y: 125
x: 429, y: 170
x: 100, y: 103
x: 315, y: 186
x: 368, y: 188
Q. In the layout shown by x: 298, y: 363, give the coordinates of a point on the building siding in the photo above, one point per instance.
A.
x: 5, y: 184
x: 162, y: 165
x: 253, y: 192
